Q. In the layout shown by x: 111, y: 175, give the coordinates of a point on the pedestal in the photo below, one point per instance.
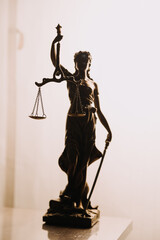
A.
x: 66, y: 215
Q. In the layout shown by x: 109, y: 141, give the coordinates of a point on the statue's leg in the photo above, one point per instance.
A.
x: 72, y: 159
x: 80, y: 185
x: 86, y: 159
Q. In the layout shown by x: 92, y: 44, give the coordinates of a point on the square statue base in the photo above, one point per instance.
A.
x: 64, y: 215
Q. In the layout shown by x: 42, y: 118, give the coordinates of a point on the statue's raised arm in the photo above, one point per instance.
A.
x: 53, y: 52
x: 58, y: 75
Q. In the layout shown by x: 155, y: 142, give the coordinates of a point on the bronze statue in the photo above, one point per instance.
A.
x: 80, y: 150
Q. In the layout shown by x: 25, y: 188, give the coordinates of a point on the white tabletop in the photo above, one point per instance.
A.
x: 18, y: 224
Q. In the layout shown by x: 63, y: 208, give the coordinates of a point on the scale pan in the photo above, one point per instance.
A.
x: 38, y: 117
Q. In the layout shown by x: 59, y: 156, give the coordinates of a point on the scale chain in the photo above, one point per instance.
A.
x: 41, y: 102
x: 79, y: 97
x: 37, y: 102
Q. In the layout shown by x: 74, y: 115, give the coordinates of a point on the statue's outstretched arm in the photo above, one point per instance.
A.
x: 101, y: 116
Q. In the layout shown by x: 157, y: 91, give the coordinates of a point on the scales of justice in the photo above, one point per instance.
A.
x: 73, y: 207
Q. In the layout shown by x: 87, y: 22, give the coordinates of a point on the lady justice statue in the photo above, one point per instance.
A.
x: 80, y: 150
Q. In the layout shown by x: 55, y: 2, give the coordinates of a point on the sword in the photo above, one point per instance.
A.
x: 97, y: 174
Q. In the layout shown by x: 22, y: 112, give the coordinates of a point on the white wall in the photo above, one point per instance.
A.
x: 123, y: 38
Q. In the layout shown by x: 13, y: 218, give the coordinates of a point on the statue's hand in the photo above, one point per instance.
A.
x: 109, y: 138
x: 58, y: 38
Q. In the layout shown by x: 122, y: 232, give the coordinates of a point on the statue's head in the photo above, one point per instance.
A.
x: 82, y: 60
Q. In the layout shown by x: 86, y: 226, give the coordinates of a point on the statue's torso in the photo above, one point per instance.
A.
x: 86, y: 91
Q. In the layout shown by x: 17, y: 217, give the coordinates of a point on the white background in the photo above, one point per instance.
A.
x: 124, y: 40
